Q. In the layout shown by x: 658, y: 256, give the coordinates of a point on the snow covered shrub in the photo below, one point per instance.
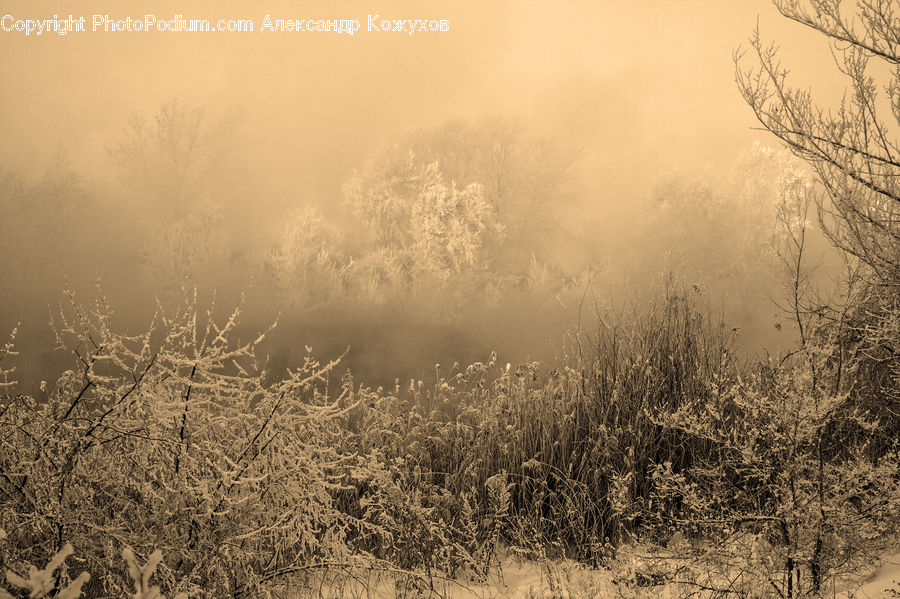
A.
x: 766, y: 507
x: 451, y: 226
x: 177, y: 439
x: 41, y: 582
x: 7, y: 370
x: 559, y: 441
x: 792, y: 478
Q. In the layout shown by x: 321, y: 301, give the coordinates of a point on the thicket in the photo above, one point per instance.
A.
x: 179, y: 440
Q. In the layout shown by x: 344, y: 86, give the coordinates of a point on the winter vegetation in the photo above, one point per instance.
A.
x: 667, y: 449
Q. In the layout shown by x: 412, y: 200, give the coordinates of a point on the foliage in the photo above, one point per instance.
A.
x: 526, y: 179
x: 798, y: 471
x: 173, y: 438
x: 306, y: 269
x: 764, y: 492
x: 466, y: 208
x: 178, y: 442
x: 410, y: 209
x: 43, y: 582
x: 177, y: 439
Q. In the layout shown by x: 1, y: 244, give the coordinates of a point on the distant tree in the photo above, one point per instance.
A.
x: 383, y: 192
x: 178, y: 164
x: 451, y: 226
x: 174, y: 157
x: 40, y: 223
x: 409, y: 208
x: 525, y: 178
x: 306, y: 266
x: 179, y: 252
x: 719, y: 231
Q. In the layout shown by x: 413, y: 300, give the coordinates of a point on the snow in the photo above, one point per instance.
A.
x: 886, y: 577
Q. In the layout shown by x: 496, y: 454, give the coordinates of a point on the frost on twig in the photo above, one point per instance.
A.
x: 7, y: 350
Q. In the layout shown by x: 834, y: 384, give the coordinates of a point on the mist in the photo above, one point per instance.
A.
x: 622, y: 124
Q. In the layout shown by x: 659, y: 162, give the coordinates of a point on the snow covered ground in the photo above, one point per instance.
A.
x: 519, y: 579
x: 886, y: 577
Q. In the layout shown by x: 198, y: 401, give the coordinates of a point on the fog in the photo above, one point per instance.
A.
x: 612, y: 114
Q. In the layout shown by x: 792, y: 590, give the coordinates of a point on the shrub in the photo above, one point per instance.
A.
x: 174, y: 439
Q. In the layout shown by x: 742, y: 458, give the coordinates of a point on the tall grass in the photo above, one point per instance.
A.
x: 575, y: 442
x: 179, y: 439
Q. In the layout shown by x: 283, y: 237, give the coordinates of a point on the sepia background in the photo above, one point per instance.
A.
x: 574, y: 299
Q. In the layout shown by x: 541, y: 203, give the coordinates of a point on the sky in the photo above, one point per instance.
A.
x: 642, y: 87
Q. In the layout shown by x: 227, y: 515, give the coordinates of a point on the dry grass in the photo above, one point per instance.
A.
x: 178, y: 440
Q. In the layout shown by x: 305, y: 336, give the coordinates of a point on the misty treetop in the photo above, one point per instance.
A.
x: 482, y: 222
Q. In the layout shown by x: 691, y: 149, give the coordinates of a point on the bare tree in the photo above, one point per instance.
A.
x: 175, y: 157
x: 853, y: 147
x: 855, y: 154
